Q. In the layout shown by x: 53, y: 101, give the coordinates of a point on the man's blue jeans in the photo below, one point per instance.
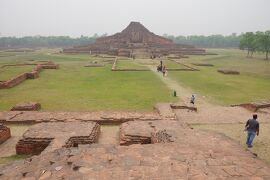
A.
x: 250, y: 136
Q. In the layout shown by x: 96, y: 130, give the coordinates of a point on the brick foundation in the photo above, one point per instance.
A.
x: 32, y: 146
x: 50, y: 136
x: 148, y: 132
x: 225, y: 71
x: 29, y: 75
x: 254, y: 106
x: 4, y: 133
x: 31, y: 106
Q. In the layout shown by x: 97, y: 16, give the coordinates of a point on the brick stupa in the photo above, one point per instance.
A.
x: 136, y: 41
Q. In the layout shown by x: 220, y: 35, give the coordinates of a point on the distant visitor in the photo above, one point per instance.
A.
x: 192, y: 99
x: 164, y: 70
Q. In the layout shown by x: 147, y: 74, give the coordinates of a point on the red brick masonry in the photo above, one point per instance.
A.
x: 4, y: 133
x: 29, y: 75
x: 30, y: 106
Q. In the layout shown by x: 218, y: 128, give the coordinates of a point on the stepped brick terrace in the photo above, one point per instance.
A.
x: 137, y: 42
x: 175, y: 152
x: 51, y: 136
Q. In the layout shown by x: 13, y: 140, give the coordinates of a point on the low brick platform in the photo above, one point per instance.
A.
x: 165, y: 110
x: 227, y: 71
x: 179, y: 106
x: 148, y: 132
x: 50, y: 66
x: 51, y: 136
x: 101, y: 117
x: 30, y: 106
x: 194, y: 155
x: 94, y: 65
x: 203, y: 64
x: 4, y: 133
x: 255, y: 106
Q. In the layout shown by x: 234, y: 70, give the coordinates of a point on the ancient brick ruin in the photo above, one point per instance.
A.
x: 156, y: 145
x: 4, y: 133
x: 175, y: 152
x: 255, y: 106
x: 28, y: 75
x: 227, y: 71
x: 51, y: 136
x: 29, y: 106
x: 137, y: 42
x: 99, y: 117
x: 148, y: 132
x: 203, y: 64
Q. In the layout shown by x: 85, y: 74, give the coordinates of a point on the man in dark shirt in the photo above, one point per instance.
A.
x: 252, y: 127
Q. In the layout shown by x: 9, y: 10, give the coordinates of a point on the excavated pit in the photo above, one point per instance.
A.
x: 148, y: 132
x: 109, y: 134
x: 50, y: 136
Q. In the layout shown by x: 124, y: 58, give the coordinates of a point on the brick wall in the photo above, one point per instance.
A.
x: 29, y: 75
x: 31, y: 147
x: 32, y: 75
x: 4, y: 134
x: 17, y: 80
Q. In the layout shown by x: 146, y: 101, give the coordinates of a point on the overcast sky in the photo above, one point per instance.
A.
x: 176, y: 17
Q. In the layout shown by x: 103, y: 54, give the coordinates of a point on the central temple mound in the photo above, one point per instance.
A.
x: 135, y: 41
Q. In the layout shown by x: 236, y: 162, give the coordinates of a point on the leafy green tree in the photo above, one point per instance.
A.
x: 248, y: 42
x: 263, y: 42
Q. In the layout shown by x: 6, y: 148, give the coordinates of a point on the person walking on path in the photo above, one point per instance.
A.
x: 163, y: 70
x: 252, y: 127
x: 192, y: 99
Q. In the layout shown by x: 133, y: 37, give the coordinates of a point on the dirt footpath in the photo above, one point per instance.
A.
x: 218, y: 115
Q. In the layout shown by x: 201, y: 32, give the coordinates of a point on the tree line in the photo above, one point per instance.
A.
x: 212, y: 41
x: 252, y: 42
x: 45, y: 41
x: 256, y: 42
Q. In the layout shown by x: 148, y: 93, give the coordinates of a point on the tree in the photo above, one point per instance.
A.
x: 263, y: 42
x: 248, y: 42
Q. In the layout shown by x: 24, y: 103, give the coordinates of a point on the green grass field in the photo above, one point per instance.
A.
x: 76, y: 88
x: 9, y: 72
x: 235, y: 131
x: 253, y: 83
x: 172, y: 64
x: 128, y: 64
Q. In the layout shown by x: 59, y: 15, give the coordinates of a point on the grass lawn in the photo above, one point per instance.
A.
x: 10, y: 72
x: 172, y: 64
x: 235, y: 131
x: 76, y: 88
x: 128, y: 64
x: 253, y: 84
x: 15, y: 157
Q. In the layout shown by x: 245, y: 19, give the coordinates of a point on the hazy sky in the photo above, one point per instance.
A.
x: 177, y: 17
